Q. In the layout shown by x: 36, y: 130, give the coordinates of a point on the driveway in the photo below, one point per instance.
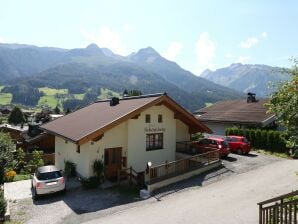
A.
x: 233, y: 190
x: 232, y: 200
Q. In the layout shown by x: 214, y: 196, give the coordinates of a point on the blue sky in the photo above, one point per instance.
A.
x: 196, y: 34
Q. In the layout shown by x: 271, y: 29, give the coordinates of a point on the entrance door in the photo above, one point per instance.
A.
x: 112, y: 162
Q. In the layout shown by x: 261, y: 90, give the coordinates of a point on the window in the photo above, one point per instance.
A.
x: 148, y: 118
x: 78, y: 149
x: 160, y: 118
x: 154, y: 141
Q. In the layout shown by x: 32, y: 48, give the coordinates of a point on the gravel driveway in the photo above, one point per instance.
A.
x: 79, y: 205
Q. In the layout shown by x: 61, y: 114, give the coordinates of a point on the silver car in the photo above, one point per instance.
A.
x: 47, y: 180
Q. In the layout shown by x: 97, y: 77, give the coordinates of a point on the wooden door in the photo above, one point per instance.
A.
x: 112, y: 162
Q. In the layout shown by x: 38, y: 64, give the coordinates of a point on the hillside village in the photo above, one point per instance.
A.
x: 95, y: 127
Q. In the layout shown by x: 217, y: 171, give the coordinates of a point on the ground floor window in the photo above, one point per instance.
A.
x: 154, y: 141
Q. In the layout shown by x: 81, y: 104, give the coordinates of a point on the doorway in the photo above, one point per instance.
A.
x: 112, y: 162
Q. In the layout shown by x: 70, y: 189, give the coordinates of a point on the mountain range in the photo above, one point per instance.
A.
x: 248, y: 77
x: 94, y: 67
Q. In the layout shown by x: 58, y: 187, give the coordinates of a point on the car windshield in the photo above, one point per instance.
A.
x: 49, y: 175
x: 225, y: 144
x: 245, y: 140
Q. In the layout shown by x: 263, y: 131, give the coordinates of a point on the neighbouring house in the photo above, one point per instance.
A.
x: 123, y: 133
x: 30, y: 137
x: 243, y: 113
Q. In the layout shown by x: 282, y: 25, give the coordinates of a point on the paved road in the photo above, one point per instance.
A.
x: 232, y: 190
x: 231, y: 200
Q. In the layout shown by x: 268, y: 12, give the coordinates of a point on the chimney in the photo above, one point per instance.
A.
x: 251, y: 97
x: 114, y: 101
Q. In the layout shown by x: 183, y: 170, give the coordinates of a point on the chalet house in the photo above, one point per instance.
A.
x: 128, y: 132
x: 30, y: 137
x: 249, y: 113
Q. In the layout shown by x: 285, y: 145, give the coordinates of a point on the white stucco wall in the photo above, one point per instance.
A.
x: 218, y: 128
x: 182, y: 133
x: 138, y: 157
x: 67, y: 151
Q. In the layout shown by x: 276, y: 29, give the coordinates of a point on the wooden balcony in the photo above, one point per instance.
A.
x: 182, y: 166
x: 279, y: 210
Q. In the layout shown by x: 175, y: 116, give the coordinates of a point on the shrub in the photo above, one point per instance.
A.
x: 70, y: 169
x: 263, y: 140
x: 98, y: 168
x: 10, y: 175
x: 258, y: 141
x: 3, y: 204
x: 240, y: 132
x: 36, y: 160
x: 6, y: 155
x: 19, y: 160
x: 90, y: 183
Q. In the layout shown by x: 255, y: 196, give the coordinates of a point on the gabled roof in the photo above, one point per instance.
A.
x: 237, y: 111
x: 92, y: 121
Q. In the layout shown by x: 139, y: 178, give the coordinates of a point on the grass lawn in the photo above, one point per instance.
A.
x: 277, y: 154
x: 51, y: 92
x: 106, y: 93
x: 19, y: 177
x: 5, y: 98
x: 208, y: 104
x: 48, y: 100
x: 79, y: 96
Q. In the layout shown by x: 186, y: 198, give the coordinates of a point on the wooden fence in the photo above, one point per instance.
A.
x: 279, y: 210
x: 171, y: 169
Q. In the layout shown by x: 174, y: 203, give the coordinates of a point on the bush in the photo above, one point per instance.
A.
x: 19, y: 160
x: 3, y: 204
x: 90, y: 183
x: 36, y: 160
x: 263, y: 140
x: 70, y: 169
x: 274, y: 141
x: 98, y: 168
x: 10, y: 175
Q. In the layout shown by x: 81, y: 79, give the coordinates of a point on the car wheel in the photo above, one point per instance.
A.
x: 239, y: 151
x: 35, y: 195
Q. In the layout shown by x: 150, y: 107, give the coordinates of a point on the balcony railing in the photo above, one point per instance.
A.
x: 278, y: 210
x: 171, y: 169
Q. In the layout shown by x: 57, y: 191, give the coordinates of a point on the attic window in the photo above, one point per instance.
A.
x: 78, y: 149
x: 147, y: 118
x: 160, y: 118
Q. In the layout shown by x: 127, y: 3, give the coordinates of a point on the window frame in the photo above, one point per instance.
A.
x: 147, y: 118
x: 160, y: 118
x: 154, y: 141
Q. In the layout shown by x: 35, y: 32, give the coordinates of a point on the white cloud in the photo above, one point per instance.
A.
x: 2, y: 40
x: 249, y: 42
x: 173, y: 50
x: 106, y: 37
x: 205, y: 52
x: 264, y: 34
x: 243, y: 59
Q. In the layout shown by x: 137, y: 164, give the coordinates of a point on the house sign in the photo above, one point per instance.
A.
x: 154, y: 129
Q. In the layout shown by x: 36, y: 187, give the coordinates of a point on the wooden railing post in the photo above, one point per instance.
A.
x: 260, y: 214
x: 119, y: 172
x: 130, y: 173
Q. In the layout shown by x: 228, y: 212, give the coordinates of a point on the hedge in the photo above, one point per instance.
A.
x: 262, y: 139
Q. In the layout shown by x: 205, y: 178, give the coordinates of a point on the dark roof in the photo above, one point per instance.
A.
x: 92, y: 121
x: 237, y: 111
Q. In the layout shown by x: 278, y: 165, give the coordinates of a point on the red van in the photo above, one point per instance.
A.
x: 239, y: 144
